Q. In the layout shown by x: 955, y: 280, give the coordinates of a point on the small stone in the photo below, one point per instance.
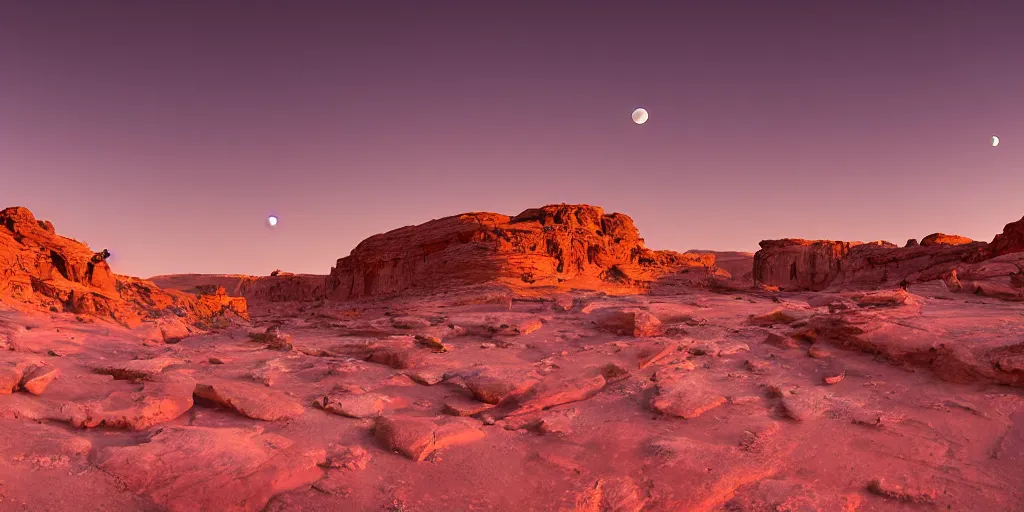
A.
x: 217, y: 360
x: 366, y: 405
x: 36, y: 379
x: 432, y: 343
x: 494, y: 385
x: 818, y: 353
x: 529, y: 326
x: 488, y: 345
x: 834, y: 377
x: 628, y: 322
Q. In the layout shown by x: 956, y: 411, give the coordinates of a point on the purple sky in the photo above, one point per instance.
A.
x: 168, y: 131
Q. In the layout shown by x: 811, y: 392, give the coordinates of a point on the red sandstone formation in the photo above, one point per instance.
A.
x: 797, y: 264
x: 283, y: 286
x: 588, y: 401
x: 944, y: 239
x: 818, y: 265
x: 1009, y: 241
x: 554, y: 246
x: 48, y: 271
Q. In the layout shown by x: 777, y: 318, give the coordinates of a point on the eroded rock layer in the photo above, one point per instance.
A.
x: 995, y: 269
x: 43, y: 270
x: 551, y: 246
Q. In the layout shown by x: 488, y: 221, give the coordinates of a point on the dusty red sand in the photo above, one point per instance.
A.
x: 480, y: 397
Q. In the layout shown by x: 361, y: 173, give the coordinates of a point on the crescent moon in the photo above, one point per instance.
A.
x: 995, y: 141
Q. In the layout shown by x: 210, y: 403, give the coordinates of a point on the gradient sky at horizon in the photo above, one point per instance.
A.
x: 168, y: 131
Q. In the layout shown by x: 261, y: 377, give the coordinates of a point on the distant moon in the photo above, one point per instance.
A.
x: 995, y: 141
x: 272, y: 220
x: 640, y: 116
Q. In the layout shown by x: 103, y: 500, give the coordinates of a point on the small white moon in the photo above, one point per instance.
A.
x: 272, y: 220
x: 995, y: 141
x: 640, y: 116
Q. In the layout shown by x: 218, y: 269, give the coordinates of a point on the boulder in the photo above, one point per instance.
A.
x: 417, y: 438
x: 627, y: 322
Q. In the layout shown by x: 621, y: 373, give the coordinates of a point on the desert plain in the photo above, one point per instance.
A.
x: 545, y: 361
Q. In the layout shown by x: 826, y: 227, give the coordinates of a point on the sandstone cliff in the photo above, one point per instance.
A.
x: 42, y: 270
x: 274, y: 288
x: 1011, y: 240
x: 556, y: 246
x: 816, y: 265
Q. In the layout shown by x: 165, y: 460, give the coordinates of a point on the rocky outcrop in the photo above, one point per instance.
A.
x: 967, y: 266
x: 1009, y: 241
x: 872, y: 266
x: 823, y: 264
x: 43, y: 270
x: 797, y: 264
x: 283, y: 286
x: 553, y: 246
x: 944, y: 239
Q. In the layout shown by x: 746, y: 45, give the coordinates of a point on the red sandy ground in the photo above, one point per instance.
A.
x: 671, y: 401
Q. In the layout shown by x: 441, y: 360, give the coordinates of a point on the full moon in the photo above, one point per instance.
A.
x: 639, y: 116
x: 995, y: 141
x: 272, y: 220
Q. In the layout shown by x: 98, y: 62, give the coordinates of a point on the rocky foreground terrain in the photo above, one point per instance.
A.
x: 547, y: 361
